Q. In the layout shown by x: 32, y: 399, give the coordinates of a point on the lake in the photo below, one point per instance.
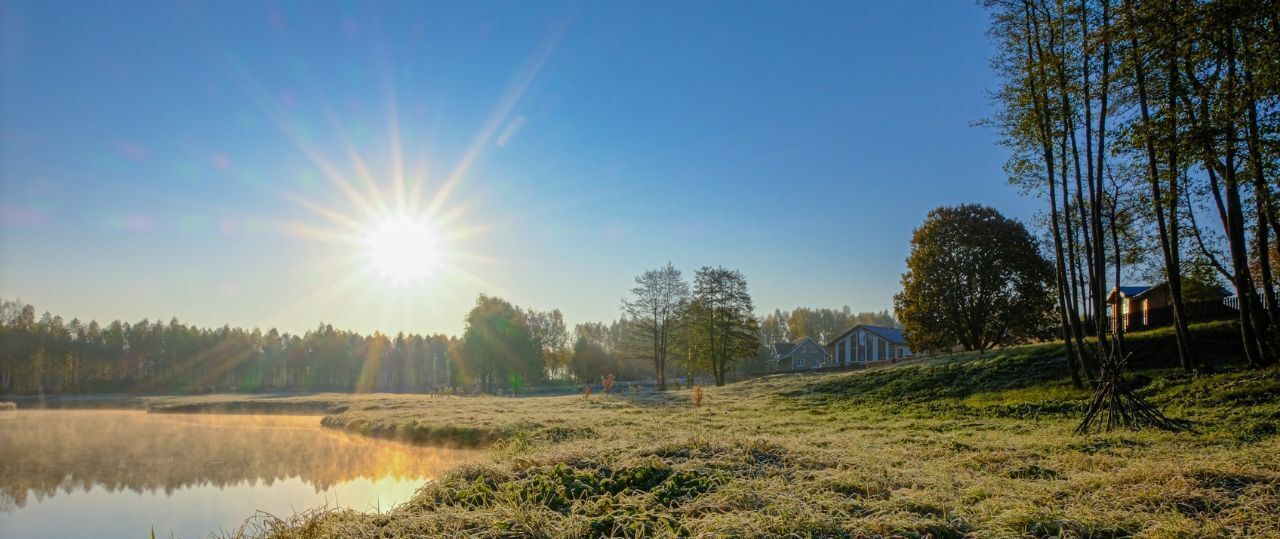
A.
x: 115, y: 473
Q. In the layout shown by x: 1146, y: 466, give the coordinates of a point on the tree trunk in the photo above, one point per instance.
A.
x: 1264, y: 204
x: 1116, y: 313
x: 1249, y: 306
x: 1040, y: 98
x: 1174, y: 266
x: 1185, y: 354
x: 1098, y: 190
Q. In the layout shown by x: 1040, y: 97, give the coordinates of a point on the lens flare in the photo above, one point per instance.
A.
x: 402, y: 249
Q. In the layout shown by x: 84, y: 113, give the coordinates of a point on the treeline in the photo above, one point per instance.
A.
x: 1152, y: 130
x: 706, y: 328
x: 822, y: 324
x: 51, y: 355
x: 504, y: 347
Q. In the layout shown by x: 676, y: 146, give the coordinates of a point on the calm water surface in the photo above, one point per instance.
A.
x: 79, y: 473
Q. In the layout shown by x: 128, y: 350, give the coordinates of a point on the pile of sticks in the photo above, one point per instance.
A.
x: 1115, y: 405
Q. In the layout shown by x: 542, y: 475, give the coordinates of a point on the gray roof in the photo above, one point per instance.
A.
x: 893, y: 335
x: 783, y: 348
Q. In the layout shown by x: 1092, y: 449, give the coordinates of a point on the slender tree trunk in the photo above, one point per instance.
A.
x: 1077, y: 331
x: 1175, y: 168
x: 1185, y: 353
x: 1117, y: 310
x: 1040, y: 98
x: 659, y: 359
x: 1098, y: 191
x: 1235, y: 229
x: 1074, y: 277
x: 1264, y: 204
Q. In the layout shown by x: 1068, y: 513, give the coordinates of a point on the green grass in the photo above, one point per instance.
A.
x: 972, y: 445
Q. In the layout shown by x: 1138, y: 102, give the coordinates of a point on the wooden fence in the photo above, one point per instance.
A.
x: 1203, y: 311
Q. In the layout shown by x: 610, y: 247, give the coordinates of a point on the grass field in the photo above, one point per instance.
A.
x: 973, y: 445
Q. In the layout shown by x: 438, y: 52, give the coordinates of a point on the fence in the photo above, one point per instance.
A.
x: 1201, y: 311
x: 853, y: 366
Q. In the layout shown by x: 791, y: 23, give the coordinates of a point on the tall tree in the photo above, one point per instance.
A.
x: 974, y: 278
x: 656, y: 310
x: 723, y: 326
x: 498, y: 346
x: 548, y: 329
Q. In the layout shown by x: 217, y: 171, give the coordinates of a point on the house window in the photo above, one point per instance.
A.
x: 899, y: 353
x: 1144, y: 313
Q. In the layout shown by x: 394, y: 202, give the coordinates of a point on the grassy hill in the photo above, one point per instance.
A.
x: 972, y: 445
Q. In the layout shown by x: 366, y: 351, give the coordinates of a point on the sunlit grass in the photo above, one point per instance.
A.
x: 963, y: 446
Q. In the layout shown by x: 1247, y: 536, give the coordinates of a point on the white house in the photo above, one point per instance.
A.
x: 865, y: 344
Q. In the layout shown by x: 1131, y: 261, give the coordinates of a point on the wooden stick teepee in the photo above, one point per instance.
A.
x: 1115, y: 405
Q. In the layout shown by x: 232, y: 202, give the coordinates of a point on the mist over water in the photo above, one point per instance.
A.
x: 77, y: 473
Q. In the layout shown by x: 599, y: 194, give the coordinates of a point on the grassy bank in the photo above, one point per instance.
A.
x: 972, y: 445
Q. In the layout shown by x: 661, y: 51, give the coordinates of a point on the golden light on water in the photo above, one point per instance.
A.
x: 125, y: 472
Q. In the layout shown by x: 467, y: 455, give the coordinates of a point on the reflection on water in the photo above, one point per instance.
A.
x: 118, y: 473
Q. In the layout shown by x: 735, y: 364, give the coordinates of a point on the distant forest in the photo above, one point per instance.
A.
x: 47, y: 354
x: 820, y: 324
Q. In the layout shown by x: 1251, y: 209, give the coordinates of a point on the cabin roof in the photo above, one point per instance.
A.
x: 1131, y: 291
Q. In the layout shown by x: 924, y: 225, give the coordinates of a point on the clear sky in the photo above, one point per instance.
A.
x: 229, y: 162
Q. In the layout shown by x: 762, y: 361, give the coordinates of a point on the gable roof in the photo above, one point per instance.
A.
x: 1142, y: 290
x: 1131, y: 291
x: 893, y: 335
x: 784, y: 349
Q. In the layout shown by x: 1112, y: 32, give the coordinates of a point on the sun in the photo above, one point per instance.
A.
x: 402, y: 249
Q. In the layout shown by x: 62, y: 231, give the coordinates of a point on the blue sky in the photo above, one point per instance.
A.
x: 165, y: 159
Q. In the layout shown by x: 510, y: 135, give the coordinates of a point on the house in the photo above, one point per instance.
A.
x: 1142, y: 307
x: 805, y: 353
x: 866, y: 344
x: 1135, y: 305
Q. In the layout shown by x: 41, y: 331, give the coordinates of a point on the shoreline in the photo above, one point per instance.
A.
x: 972, y: 445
